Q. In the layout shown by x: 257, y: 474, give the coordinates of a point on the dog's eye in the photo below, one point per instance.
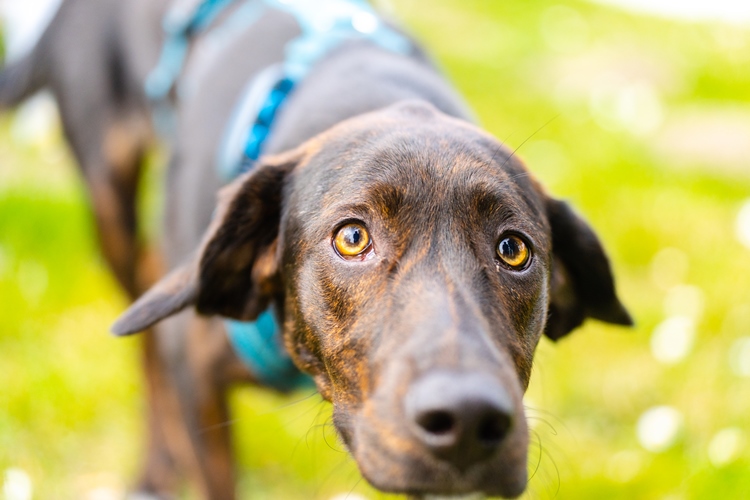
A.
x: 351, y: 240
x: 513, y: 251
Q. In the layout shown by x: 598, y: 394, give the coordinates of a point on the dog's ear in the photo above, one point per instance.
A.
x: 234, y: 272
x: 582, y: 284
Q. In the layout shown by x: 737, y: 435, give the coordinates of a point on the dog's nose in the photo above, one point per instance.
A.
x: 460, y: 418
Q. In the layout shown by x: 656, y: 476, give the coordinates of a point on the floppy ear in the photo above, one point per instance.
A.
x: 582, y: 284
x: 234, y: 272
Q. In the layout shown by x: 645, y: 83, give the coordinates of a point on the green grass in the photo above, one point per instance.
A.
x: 70, y: 400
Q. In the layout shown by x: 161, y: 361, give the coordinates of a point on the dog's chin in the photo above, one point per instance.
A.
x: 437, y: 488
x: 408, y: 471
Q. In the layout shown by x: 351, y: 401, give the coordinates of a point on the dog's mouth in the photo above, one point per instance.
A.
x: 459, y: 441
x: 421, y: 476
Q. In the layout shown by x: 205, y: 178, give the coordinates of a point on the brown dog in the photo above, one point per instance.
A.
x: 415, y: 265
x: 413, y: 262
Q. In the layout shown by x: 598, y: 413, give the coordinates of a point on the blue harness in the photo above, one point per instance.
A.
x: 325, y: 25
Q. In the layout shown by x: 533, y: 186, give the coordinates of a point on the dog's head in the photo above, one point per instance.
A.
x: 415, y: 264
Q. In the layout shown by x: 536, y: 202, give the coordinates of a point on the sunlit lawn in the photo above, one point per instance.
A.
x: 643, y: 124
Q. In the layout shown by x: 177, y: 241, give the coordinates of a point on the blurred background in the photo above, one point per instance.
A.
x: 638, y: 112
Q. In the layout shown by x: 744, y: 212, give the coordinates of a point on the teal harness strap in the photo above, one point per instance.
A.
x: 185, y: 20
x: 180, y: 25
x: 258, y: 345
x: 325, y: 25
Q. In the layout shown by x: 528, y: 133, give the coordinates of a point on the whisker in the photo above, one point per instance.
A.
x: 547, y: 452
x: 539, y: 460
x: 325, y: 438
x: 529, y: 138
x: 518, y: 176
x: 320, y: 405
x: 314, y: 426
x: 544, y: 421
x: 557, y: 473
x: 547, y: 449
x: 233, y: 421
x: 328, y: 476
x: 500, y: 148
x: 559, y: 421
x: 354, y: 487
x: 295, y: 402
x: 220, y: 425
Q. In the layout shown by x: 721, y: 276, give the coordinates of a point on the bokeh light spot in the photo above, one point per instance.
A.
x: 36, y: 121
x: 673, y: 339
x: 635, y: 107
x: 739, y: 357
x: 532, y: 413
x: 726, y: 446
x: 658, y: 428
x: 17, y: 484
x: 364, y: 22
x: 102, y: 486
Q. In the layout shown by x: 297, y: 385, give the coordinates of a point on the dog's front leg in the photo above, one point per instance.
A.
x: 160, y: 476
x: 189, y: 435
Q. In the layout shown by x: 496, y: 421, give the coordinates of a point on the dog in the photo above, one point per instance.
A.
x: 409, y: 260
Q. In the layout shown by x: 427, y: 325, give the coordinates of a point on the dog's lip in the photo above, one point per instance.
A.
x: 456, y: 490
x: 479, y: 481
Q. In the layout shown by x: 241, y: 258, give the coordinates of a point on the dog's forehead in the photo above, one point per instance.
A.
x: 414, y: 159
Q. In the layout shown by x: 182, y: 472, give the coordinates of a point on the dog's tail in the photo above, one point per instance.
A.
x: 21, y: 79
x: 29, y: 74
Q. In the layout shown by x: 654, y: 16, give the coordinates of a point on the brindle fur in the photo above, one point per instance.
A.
x: 369, y: 136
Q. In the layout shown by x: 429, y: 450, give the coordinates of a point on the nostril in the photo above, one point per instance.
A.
x: 437, y: 422
x: 492, y: 429
x: 462, y: 419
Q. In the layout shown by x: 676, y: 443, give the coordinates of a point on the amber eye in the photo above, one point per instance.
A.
x: 351, y: 240
x: 513, y: 251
